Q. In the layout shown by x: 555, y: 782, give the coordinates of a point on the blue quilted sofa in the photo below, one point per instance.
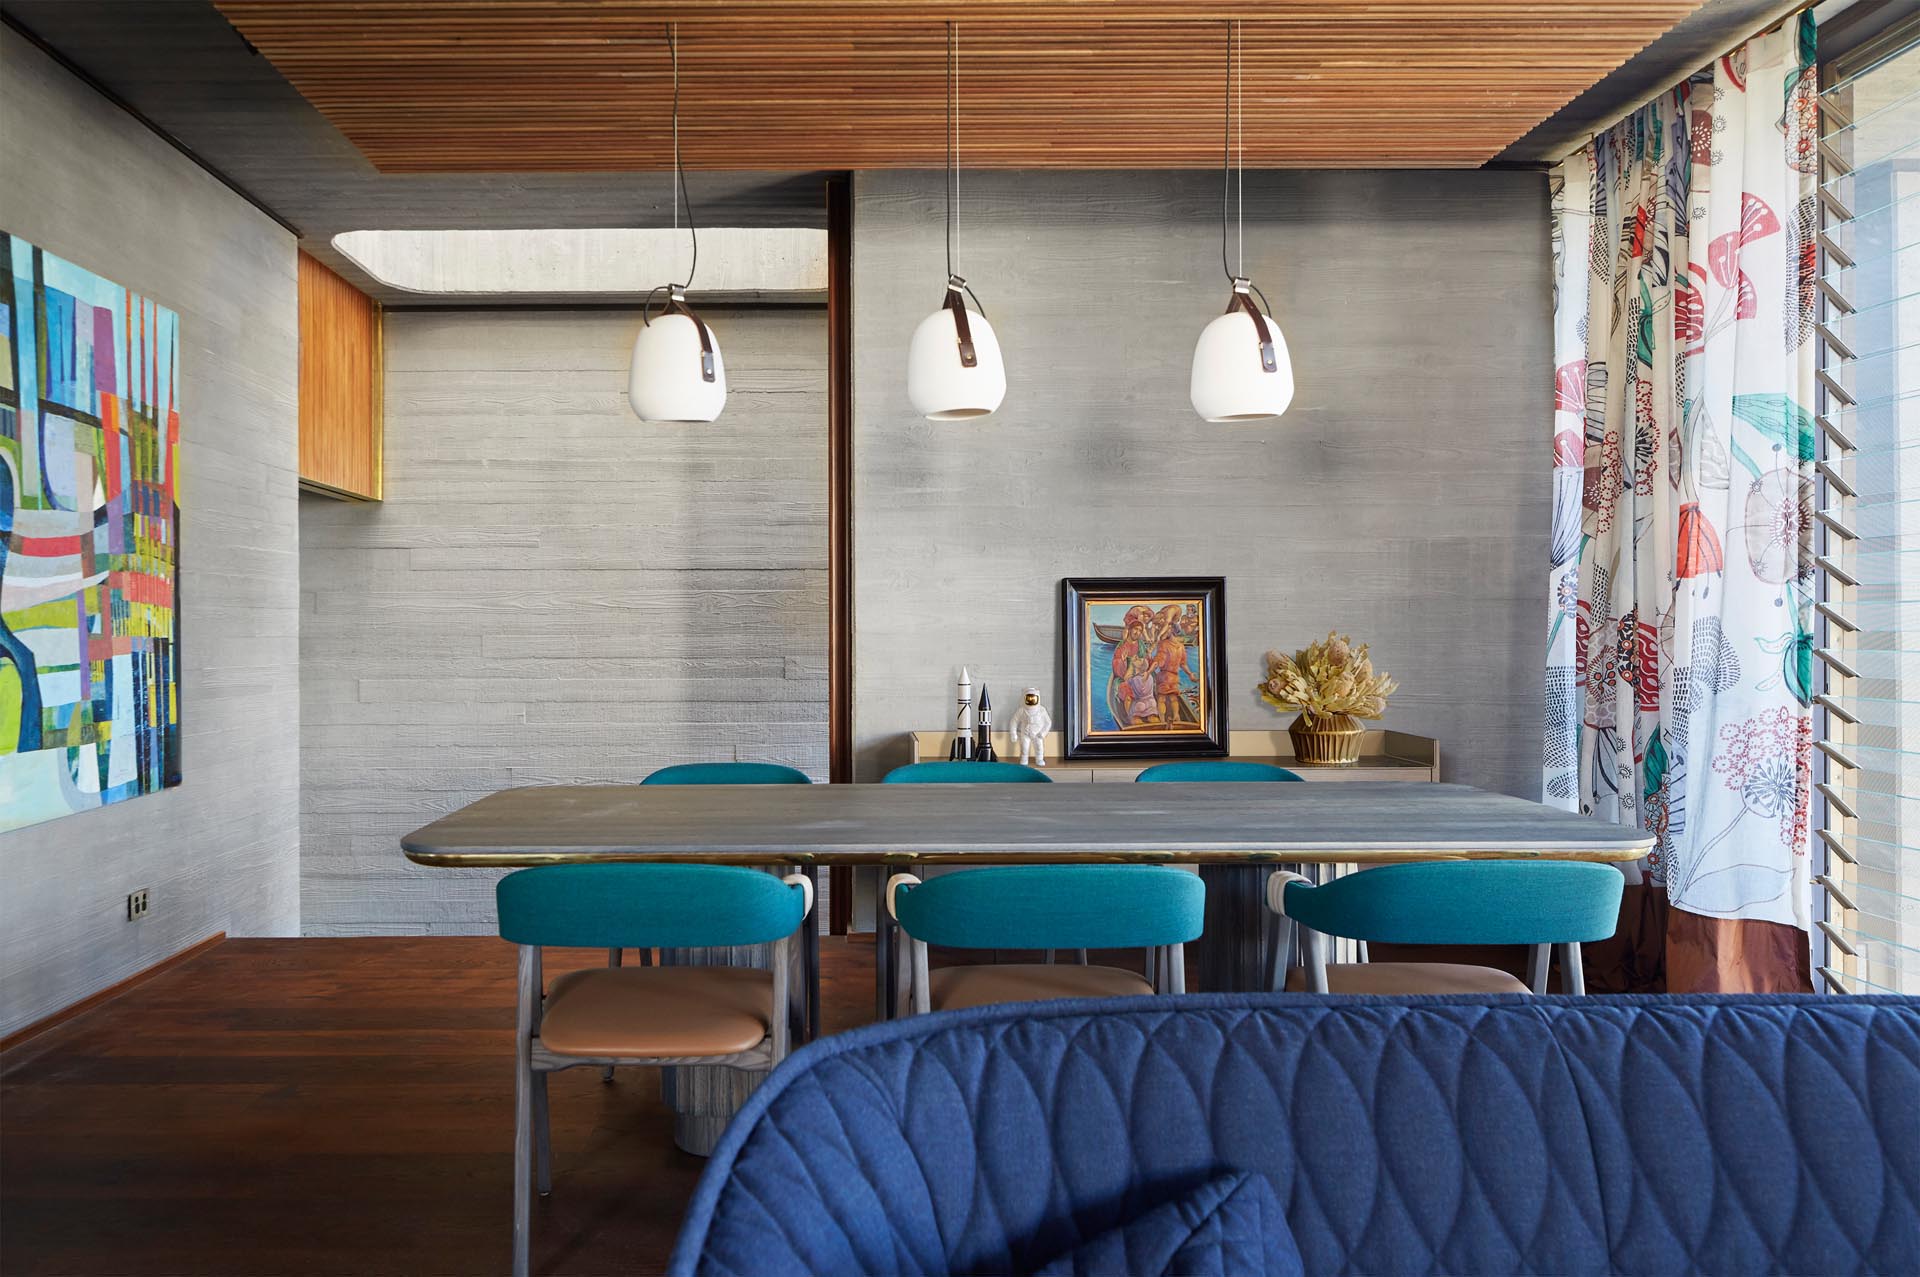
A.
x: 1287, y: 1133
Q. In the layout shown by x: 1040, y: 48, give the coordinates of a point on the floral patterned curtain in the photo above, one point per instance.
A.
x: 1680, y: 657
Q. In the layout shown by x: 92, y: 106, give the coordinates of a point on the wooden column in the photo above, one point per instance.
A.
x: 341, y: 388
x: 840, y: 516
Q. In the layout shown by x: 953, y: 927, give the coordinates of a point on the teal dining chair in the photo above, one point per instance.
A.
x: 1153, y: 907
x: 1543, y: 904
x: 727, y: 774
x: 952, y: 772
x: 737, y: 773
x: 733, y: 1017
x: 965, y: 772
x: 1215, y: 769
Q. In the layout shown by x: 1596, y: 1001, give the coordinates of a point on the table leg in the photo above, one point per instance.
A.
x: 1233, y: 947
x: 704, y: 1098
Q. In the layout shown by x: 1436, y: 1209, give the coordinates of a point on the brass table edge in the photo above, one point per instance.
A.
x: 1342, y: 856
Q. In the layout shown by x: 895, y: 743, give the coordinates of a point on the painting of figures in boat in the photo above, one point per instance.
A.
x: 1144, y: 660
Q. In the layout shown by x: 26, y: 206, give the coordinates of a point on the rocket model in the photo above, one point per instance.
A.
x: 983, y: 730
x: 962, y: 719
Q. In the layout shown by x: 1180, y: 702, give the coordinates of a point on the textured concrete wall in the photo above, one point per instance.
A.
x: 1403, y: 498
x: 82, y: 179
x: 554, y: 591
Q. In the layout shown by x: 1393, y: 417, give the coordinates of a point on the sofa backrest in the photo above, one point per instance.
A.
x: 1404, y: 1135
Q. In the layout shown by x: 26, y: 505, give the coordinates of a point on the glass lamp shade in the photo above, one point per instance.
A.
x: 1228, y: 382
x: 664, y: 382
x: 939, y: 385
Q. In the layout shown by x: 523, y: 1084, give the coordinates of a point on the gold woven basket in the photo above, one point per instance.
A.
x: 1332, y: 741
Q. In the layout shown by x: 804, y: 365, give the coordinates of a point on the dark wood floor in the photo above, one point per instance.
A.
x: 337, y: 1106
x: 332, y: 1106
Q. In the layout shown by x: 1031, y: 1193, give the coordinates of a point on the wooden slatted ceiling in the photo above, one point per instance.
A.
x: 547, y: 85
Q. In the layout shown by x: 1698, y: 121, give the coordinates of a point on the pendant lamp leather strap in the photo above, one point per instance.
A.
x: 957, y: 303
x: 677, y: 305
x: 1242, y: 299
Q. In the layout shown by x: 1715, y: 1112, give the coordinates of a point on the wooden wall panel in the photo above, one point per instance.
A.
x: 340, y: 374
x: 562, y: 86
x: 554, y: 591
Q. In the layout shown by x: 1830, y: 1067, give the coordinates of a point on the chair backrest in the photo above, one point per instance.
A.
x: 1055, y: 907
x: 1624, y: 1134
x: 1465, y: 902
x: 1215, y: 769
x: 965, y: 772
x: 728, y: 774
x: 616, y: 906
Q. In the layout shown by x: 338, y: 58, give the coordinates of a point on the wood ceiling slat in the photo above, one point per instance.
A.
x: 577, y: 85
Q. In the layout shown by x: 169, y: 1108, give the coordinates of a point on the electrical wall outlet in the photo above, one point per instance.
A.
x: 137, y: 904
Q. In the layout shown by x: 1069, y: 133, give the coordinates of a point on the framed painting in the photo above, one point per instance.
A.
x: 1144, y: 660
x: 89, y: 540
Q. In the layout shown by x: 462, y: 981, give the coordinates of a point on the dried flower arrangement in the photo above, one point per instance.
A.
x: 1327, y: 679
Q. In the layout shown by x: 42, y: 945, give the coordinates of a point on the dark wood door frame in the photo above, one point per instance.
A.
x: 840, y: 516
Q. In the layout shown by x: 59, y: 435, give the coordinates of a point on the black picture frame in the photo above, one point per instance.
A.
x: 1177, y: 721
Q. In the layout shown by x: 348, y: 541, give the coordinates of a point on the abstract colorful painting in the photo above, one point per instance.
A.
x: 89, y: 540
x: 1144, y: 662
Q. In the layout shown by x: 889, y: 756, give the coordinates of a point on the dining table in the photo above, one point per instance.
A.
x: 1234, y: 833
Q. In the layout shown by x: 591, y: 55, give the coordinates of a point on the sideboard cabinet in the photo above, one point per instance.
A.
x: 1384, y: 755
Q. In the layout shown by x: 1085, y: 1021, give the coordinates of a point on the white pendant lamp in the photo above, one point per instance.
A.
x: 676, y: 373
x: 954, y: 369
x: 1241, y: 369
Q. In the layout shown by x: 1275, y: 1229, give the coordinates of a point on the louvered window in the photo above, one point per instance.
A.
x: 1868, y: 527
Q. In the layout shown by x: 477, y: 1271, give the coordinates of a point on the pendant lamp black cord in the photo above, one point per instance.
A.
x: 953, y: 161
x: 1226, y: 174
x: 1226, y: 156
x: 679, y: 172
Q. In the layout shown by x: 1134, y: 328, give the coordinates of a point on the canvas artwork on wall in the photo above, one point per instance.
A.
x: 89, y: 540
x: 1144, y: 660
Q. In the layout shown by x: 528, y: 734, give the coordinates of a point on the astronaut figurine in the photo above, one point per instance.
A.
x: 1030, y: 726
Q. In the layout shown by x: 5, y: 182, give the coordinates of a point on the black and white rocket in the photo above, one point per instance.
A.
x: 962, y: 719
x: 983, y: 730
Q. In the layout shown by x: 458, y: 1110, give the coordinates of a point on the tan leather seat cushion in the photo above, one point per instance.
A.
x: 1409, y: 977
x: 951, y: 988
x: 657, y: 1011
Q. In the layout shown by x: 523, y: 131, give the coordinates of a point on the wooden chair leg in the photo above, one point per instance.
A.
x: 1539, y: 958
x: 613, y: 960
x: 882, y: 949
x: 542, y: 1142
x: 922, y: 983
x: 1280, y: 956
x: 523, y: 1110
x: 1313, y: 947
x: 1573, y: 976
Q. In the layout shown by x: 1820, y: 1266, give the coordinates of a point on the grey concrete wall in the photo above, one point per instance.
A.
x: 82, y: 179
x: 554, y: 591
x: 1402, y: 499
